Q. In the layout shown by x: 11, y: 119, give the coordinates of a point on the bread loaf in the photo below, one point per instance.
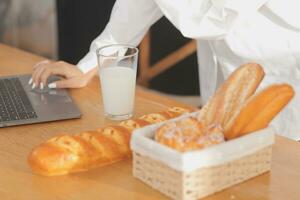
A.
x: 73, y: 153
x: 232, y: 111
x: 259, y: 110
x: 231, y: 95
x: 220, y: 110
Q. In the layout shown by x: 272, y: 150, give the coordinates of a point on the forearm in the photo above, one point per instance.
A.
x: 129, y: 21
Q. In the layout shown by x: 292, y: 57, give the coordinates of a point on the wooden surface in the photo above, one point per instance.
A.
x: 113, y: 181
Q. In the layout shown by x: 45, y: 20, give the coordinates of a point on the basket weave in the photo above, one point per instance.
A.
x: 201, y: 182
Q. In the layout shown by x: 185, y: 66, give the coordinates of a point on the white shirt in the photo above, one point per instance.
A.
x: 228, y: 33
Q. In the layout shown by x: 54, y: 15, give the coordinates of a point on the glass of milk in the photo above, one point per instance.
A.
x: 117, y: 71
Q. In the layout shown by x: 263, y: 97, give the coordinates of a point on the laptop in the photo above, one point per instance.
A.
x: 20, y: 104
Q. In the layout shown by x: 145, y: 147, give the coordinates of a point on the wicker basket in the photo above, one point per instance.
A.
x: 179, y: 177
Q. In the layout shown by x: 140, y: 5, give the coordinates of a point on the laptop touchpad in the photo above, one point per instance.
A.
x: 49, y: 96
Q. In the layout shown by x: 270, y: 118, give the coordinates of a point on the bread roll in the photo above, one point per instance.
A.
x: 180, y: 135
x: 259, y: 110
x: 68, y: 154
x: 189, y: 134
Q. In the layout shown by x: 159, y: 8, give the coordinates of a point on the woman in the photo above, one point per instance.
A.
x: 229, y: 33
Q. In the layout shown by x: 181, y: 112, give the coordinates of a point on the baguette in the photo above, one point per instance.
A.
x: 259, y: 110
x: 229, y: 98
x: 68, y: 154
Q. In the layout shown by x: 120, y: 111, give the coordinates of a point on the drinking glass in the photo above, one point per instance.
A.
x: 117, y: 71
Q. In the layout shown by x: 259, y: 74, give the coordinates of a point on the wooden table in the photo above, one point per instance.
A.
x: 113, y: 181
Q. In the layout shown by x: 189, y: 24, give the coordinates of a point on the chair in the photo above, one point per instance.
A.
x: 148, y: 71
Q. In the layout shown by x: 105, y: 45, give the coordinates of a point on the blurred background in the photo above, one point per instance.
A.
x: 64, y: 29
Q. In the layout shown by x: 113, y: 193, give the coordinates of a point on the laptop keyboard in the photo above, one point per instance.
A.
x: 14, y: 102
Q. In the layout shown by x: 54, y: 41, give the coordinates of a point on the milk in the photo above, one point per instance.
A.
x: 118, y: 89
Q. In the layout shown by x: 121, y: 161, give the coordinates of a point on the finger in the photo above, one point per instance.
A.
x: 40, y: 63
x: 32, y: 75
x: 35, y: 67
x: 44, y: 77
x: 75, y: 82
x: 35, y: 71
x: 36, y: 76
x: 49, y: 69
x: 30, y: 81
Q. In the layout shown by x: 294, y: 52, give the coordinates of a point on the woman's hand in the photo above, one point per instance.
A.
x: 73, y: 77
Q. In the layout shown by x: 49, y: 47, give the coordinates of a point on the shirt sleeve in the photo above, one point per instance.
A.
x: 206, y: 19
x: 283, y: 13
x: 129, y: 22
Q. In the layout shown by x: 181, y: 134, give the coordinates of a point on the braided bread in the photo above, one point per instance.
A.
x: 131, y: 124
x: 67, y: 154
